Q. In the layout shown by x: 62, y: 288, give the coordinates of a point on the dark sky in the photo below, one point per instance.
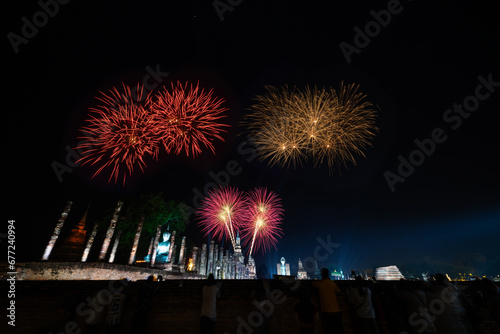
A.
x: 427, y: 58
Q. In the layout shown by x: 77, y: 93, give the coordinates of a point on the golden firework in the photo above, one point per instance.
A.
x: 289, y: 126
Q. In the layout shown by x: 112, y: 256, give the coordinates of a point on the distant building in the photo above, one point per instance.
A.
x: 283, y: 268
x: 389, y: 273
x: 301, y: 273
x: 317, y: 272
x: 72, y: 247
x: 337, y: 275
x: 251, y: 267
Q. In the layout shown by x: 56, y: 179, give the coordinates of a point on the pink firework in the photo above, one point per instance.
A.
x: 263, y: 220
x: 119, y: 132
x: 188, y: 118
x: 222, y: 212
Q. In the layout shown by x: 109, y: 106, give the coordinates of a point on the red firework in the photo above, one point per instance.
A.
x: 222, y: 212
x: 262, y: 225
x: 118, y: 133
x: 188, y: 118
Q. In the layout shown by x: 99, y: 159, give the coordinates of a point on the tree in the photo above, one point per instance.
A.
x: 156, y: 211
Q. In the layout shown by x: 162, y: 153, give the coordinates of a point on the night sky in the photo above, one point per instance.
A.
x: 430, y: 56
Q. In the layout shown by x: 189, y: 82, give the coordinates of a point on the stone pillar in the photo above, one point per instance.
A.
x: 230, y: 265
x: 203, y: 260
x: 236, y: 267
x: 86, y: 252
x: 183, y: 250
x: 221, y: 253
x: 155, y: 246
x: 197, y: 262
x: 194, y: 257
x: 136, y: 241
x: 110, y: 231
x: 217, y: 269
x: 210, y: 267
x: 174, y: 253
x: 171, y: 250
x: 224, y: 267
x: 150, y: 248
x: 216, y: 257
x: 115, y: 246
x: 57, y: 231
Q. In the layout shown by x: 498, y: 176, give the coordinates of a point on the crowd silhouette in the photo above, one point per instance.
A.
x: 364, y: 306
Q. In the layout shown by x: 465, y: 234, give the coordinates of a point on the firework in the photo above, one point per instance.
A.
x: 275, y: 129
x: 222, y: 212
x: 119, y: 132
x: 289, y: 126
x: 188, y: 119
x: 263, y: 219
x: 351, y: 128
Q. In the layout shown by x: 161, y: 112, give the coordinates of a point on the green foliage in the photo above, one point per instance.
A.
x: 156, y: 211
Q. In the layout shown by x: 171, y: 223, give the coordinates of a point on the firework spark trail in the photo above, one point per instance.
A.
x: 119, y: 132
x: 325, y: 125
x: 354, y: 126
x: 264, y: 216
x: 230, y: 228
x: 188, y: 118
x: 275, y: 129
x: 313, y: 117
x: 221, y: 212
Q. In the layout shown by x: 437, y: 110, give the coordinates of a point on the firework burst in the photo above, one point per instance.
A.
x: 188, y: 118
x: 263, y: 219
x: 119, y: 132
x: 275, y: 129
x: 350, y: 129
x: 222, y: 212
x: 289, y: 126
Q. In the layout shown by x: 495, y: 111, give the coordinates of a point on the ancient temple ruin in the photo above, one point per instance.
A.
x: 162, y: 255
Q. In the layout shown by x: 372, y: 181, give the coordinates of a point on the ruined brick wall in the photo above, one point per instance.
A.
x: 88, y: 271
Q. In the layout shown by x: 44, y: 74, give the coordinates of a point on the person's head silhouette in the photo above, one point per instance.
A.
x: 325, y: 273
x: 210, y: 279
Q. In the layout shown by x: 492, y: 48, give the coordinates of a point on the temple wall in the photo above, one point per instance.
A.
x: 44, y: 271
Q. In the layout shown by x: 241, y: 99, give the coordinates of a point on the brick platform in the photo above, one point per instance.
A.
x: 47, y: 271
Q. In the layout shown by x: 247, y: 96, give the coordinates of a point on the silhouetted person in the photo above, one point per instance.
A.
x: 330, y: 313
x: 145, y: 294
x: 360, y: 296
x: 210, y: 292
x: 413, y: 304
x: 491, y: 298
x: 306, y: 314
x: 448, y: 319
